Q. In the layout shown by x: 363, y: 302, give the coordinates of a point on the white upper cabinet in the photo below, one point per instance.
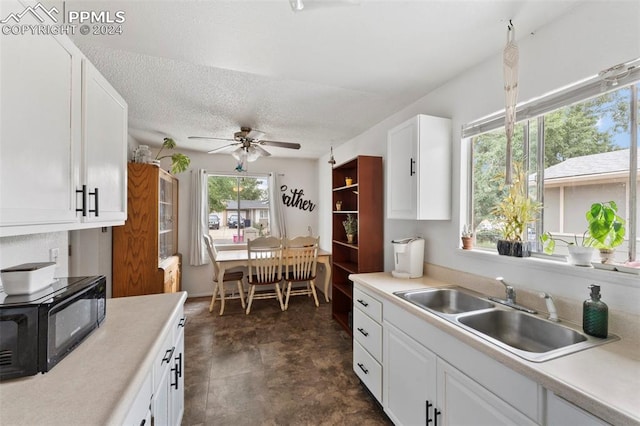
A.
x: 62, y: 128
x: 419, y: 169
x: 104, y: 147
x: 39, y: 127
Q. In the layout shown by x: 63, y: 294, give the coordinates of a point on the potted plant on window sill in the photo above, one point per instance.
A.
x: 606, y: 229
x: 467, y: 237
x: 579, y: 254
x: 350, y: 227
x: 516, y: 211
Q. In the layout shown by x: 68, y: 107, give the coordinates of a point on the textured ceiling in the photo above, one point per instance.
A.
x: 317, y: 77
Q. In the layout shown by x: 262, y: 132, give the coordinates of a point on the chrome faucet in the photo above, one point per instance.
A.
x: 511, y: 292
x: 551, y: 307
x: 510, y: 301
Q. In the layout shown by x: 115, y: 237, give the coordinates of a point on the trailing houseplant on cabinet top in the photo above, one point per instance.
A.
x: 179, y: 161
x: 516, y: 210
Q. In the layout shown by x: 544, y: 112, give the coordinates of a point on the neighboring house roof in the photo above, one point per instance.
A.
x: 594, y: 164
x: 248, y: 205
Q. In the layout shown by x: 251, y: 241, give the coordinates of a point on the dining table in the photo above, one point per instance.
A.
x: 227, y: 259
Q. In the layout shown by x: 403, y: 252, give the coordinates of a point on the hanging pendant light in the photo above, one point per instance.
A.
x: 332, y: 160
x: 510, y: 68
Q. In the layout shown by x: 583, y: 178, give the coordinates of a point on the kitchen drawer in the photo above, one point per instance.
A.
x: 368, y: 333
x: 163, y: 359
x: 368, y: 370
x: 367, y: 304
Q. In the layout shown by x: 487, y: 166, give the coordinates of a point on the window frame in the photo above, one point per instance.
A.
x: 536, y: 110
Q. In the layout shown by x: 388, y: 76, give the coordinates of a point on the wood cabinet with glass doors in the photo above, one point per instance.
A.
x: 145, y: 249
x: 357, y: 190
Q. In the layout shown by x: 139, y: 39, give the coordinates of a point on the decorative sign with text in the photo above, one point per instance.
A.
x: 294, y: 198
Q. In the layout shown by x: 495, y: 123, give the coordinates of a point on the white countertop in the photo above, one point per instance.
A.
x: 97, y: 382
x: 604, y: 380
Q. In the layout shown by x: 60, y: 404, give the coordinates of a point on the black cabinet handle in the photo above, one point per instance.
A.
x: 436, y: 413
x: 168, y: 355
x: 364, y: 333
x: 411, y: 164
x: 83, y: 191
x: 174, y: 370
x: 427, y: 406
x: 96, y: 210
x: 182, y: 322
x: 179, y: 365
x: 363, y: 369
x: 363, y: 303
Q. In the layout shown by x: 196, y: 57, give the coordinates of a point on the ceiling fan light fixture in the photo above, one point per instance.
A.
x: 296, y: 5
x: 237, y: 153
x: 252, y: 154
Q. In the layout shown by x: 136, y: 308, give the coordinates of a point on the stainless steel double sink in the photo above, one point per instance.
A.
x: 523, y: 334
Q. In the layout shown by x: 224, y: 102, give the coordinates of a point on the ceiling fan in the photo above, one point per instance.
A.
x: 249, y: 143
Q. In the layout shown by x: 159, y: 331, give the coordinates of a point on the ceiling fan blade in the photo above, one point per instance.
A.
x: 254, y: 134
x: 211, y: 138
x: 263, y: 152
x: 290, y: 145
x: 213, y: 151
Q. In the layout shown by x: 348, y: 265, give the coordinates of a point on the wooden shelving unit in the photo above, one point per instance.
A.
x: 145, y: 248
x: 364, y: 199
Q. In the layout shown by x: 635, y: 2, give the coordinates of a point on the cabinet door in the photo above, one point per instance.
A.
x: 177, y: 383
x: 104, y: 146
x: 409, y: 378
x: 160, y: 403
x: 561, y: 412
x: 39, y: 127
x: 402, y: 157
x: 462, y: 401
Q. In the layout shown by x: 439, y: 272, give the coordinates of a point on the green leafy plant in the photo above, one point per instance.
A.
x: 606, y: 228
x: 350, y: 225
x: 179, y: 162
x: 516, y: 210
x: 549, y: 242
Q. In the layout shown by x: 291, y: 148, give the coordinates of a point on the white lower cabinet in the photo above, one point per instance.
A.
x: 462, y: 401
x: 409, y: 377
x: 367, y: 341
x: 167, y: 406
x: 421, y: 389
x: 561, y: 412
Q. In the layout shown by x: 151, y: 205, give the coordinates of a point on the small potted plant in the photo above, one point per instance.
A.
x: 467, y: 237
x: 179, y: 162
x: 350, y: 227
x: 579, y: 254
x: 516, y: 211
x: 348, y: 181
x: 606, y: 229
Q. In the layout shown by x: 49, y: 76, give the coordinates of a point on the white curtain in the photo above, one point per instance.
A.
x: 276, y: 212
x: 198, y: 217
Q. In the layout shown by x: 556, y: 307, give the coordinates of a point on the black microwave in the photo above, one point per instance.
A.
x: 38, y: 330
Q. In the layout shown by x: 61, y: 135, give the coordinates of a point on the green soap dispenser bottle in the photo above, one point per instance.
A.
x: 595, y: 314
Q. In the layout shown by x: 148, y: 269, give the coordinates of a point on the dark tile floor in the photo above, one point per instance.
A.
x: 271, y: 367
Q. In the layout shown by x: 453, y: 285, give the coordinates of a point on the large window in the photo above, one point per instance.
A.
x: 240, y: 204
x: 574, y: 155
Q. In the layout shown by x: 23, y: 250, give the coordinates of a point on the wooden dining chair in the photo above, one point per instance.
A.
x: 265, y: 269
x: 301, y: 260
x: 236, y: 276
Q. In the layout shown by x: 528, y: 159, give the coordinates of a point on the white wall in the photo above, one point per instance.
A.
x: 594, y: 36
x: 35, y: 248
x: 298, y: 174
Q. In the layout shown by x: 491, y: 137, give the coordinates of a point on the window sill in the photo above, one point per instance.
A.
x: 554, y: 266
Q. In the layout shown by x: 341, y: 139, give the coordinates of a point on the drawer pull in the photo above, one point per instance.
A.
x: 428, y: 405
x: 168, y: 355
x: 182, y: 322
x: 364, y: 333
x: 436, y: 413
x: 363, y: 303
x: 363, y: 369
